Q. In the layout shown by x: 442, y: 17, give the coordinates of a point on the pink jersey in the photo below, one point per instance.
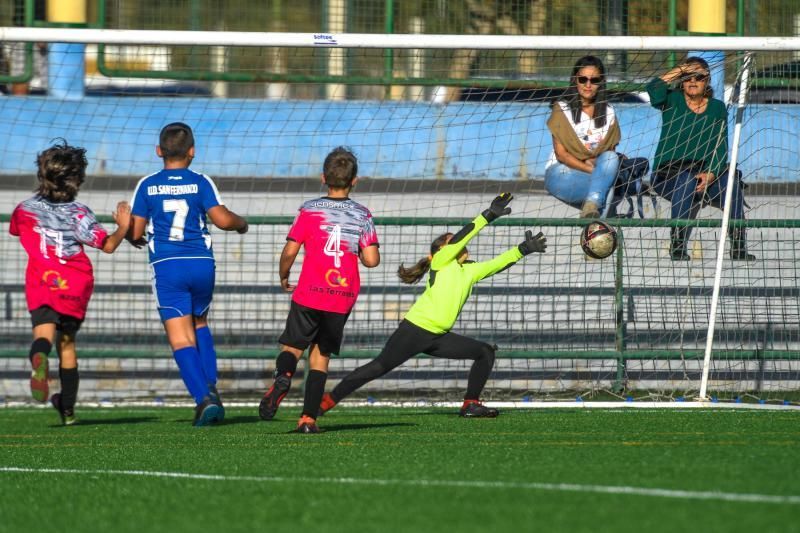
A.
x: 59, y: 272
x: 332, y: 231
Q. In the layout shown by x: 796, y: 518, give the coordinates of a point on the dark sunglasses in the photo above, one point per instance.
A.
x: 582, y: 80
x: 695, y: 77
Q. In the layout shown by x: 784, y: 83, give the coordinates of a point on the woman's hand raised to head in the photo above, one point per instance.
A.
x: 704, y: 179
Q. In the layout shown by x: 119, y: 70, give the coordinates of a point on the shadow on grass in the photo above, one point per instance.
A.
x: 242, y: 419
x: 355, y: 427
x: 435, y: 411
x: 111, y: 421
x: 228, y: 421
x: 395, y: 412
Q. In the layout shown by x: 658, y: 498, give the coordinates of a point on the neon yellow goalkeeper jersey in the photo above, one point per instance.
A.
x: 450, y: 283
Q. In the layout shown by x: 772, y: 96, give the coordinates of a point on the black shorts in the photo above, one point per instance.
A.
x: 306, y: 326
x: 64, y: 323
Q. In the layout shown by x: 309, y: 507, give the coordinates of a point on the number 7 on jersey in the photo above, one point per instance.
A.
x: 181, y: 209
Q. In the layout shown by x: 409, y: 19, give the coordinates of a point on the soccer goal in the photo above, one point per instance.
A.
x: 440, y: 125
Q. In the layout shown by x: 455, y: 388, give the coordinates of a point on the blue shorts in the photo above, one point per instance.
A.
x: 183, y: 287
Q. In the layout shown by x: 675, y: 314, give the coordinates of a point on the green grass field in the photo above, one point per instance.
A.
x: 381, y: 469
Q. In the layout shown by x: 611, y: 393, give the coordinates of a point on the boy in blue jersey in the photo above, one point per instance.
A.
x: 171, y: 206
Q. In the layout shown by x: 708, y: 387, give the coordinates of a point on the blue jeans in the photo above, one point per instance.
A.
x: 573, y: 187
x: 686, y: 202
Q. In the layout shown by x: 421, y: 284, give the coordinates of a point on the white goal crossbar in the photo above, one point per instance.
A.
x: 371, y: 40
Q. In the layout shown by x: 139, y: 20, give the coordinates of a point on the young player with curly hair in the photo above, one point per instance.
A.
x: 59, y: 280
x: 427, y: 326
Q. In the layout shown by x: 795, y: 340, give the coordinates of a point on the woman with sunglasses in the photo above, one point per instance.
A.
x: 583, y: 165
x: 691, y: 161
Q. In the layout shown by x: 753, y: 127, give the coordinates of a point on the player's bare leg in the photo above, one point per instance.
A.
x: 285, y: 367
x: 64, y: 401
x: 180, y: 332
x: 43, y: 337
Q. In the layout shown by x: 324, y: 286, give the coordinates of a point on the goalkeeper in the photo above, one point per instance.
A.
x: 426, y: 327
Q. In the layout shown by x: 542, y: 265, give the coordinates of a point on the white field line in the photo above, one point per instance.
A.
x: 573, y: 404
x: 515, y: 485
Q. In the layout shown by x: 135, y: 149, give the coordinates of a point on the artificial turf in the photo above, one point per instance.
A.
x: 385, y: 469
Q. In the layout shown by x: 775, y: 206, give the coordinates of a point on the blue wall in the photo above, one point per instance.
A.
x: 252, y: 138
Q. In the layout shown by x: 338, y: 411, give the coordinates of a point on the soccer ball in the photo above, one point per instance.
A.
x: 598, y: 239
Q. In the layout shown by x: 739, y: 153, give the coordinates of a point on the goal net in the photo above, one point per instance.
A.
x: 440, y: 125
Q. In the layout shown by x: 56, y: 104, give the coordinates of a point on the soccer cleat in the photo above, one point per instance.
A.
x: 326, y: 404
x: 475, y: 409
x: 274, y: 396
x: 67, y: 415
x: 307, y: 425
x: 40, y: 389
x: 208, y: 413
x: 213, y: 394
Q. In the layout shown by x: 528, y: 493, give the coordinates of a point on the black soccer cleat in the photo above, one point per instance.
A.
x: 274, y: 396
x: 67, y: 415
x: 213, y: 394
x: 475, y: 409
x: 208, y: 413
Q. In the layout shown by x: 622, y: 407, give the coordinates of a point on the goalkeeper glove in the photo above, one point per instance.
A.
x: 532, y: 244
x: 498, y: 208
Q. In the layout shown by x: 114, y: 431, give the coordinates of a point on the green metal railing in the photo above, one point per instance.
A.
x: 622, y: 354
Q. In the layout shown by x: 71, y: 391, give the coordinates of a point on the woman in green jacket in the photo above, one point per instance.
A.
x: 691, y: 161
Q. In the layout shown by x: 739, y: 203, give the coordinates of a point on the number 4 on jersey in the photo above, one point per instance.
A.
x: 333, y: 244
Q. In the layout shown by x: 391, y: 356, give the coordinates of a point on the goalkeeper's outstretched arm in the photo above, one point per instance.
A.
x: 531, y: 244
x: 458, y: 242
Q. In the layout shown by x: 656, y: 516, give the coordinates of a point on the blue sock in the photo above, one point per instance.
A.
x: 208, y: 354
x: 188, y: 360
